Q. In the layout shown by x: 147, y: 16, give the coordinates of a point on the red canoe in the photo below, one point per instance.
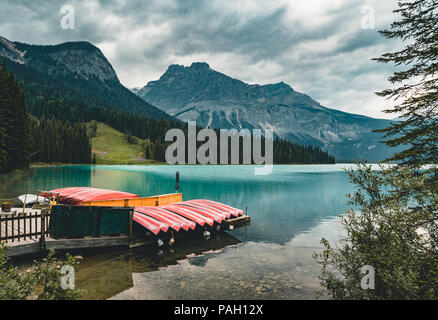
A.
x: 77, y: 195
x: 216, y: 216
x: 163, y: 226
x: 198, y: 218
x: 219, y: 206
x: 185, y: 223
x: 173, y: 224
x: 206, y: 208
x: 223, y: 206
x: 147, y: 223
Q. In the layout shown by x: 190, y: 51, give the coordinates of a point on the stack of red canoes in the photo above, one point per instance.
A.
x: 184, y: 215
x: 78, y: 195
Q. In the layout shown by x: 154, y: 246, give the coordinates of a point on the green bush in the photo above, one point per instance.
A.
x: 13, y: 286
x: 395, y: 231
x: 41, y: 281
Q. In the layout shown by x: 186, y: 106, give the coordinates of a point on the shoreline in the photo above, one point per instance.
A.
x: 176, y: 164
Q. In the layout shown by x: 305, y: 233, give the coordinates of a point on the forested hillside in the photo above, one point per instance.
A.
x: 15, y: 134
x: 25, y: 139
x: 56, y: 141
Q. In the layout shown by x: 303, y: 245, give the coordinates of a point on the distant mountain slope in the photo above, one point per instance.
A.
x: 216, y: 100
x: 82, y: 68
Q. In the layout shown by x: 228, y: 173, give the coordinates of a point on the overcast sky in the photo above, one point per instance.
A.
x: 318, y: 47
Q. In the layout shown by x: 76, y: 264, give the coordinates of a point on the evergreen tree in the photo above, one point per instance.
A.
x: 147, y: 152
x: 416, y: 85
x: 57, y: 141
x: 3, y: 117
x: 15, y: 133
x: 395, y: 230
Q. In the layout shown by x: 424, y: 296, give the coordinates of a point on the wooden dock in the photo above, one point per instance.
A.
x: 27, y: 232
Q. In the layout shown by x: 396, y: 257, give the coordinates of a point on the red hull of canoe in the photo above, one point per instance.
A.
x: 173, y: 224
x: 185, y: 223
x: 200, y: 219
x: 161, y: 225
x: 216, y: 216
x: 233, y: 211
x: 146, y: 223
x: 207, y: 208
x: 77, y: 195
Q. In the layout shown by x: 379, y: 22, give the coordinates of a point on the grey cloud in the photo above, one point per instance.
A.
x: 321, y: 53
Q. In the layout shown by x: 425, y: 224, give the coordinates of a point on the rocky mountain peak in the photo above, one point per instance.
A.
x: 216, y: 100
x: 79, y: 67
x: 71, y: 59
x: 175, y: 68
x: 199, y: 66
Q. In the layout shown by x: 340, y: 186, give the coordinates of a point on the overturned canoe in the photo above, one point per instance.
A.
x: 167, y: 217
x: 32, y: 199
x: 78, y: 195
x: 216, y: 205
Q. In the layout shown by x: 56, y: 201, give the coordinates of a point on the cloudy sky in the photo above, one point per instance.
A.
x: 320, y: 47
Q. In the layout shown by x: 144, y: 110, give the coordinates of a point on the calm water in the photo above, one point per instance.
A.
x: 291, y: 210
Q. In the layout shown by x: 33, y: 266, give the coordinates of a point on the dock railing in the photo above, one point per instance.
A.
x: 19, y: 226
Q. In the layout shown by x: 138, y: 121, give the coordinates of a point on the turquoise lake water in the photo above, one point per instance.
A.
x: 291, y: 210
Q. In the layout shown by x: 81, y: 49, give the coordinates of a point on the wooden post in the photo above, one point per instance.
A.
x: 130, y: 225
x: 43, y: 230
x: 12, y: 228
x: 6, y: 229
x: 177, y: 182
x: 36, y: 224
x: 19, y: 231
x: 24, y: 204
x: 24, y: 226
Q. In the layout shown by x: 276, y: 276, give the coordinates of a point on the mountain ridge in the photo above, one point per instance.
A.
x: 213, y: 99
x: 81, y: 67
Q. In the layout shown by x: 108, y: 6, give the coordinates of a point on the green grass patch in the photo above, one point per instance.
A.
x: 110, y: 147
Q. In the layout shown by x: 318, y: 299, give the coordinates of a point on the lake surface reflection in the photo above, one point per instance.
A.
x: 291, y: 210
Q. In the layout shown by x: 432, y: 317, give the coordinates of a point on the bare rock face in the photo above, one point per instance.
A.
x: 9, y: 51
x: 75, y: 59
x: 213, y: 99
